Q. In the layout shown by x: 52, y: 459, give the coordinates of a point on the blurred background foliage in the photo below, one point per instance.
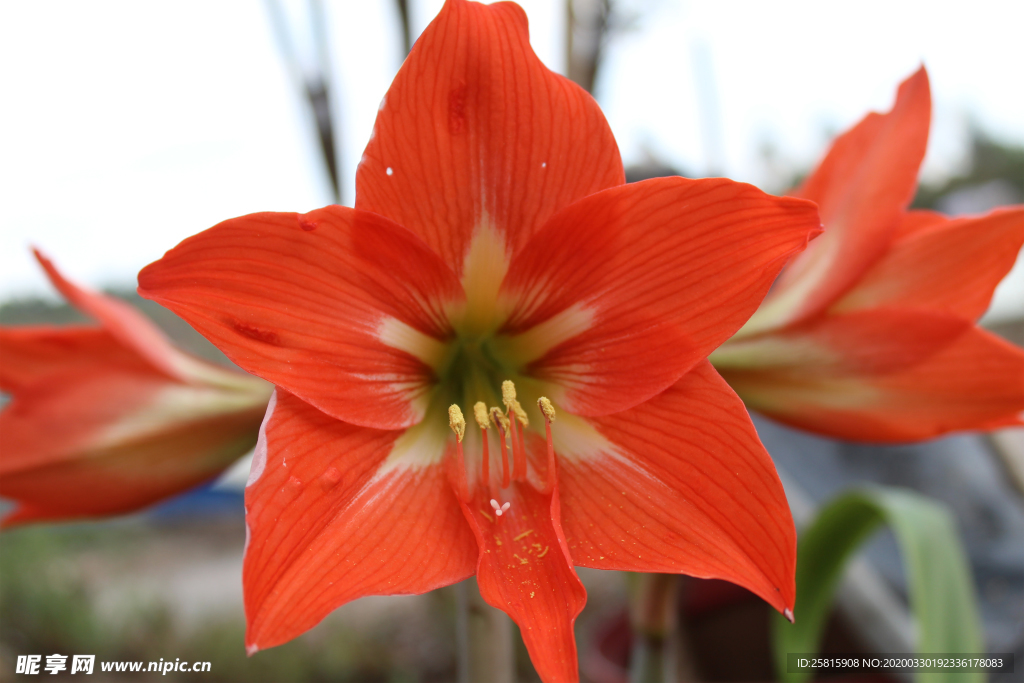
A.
x: 57, y: 579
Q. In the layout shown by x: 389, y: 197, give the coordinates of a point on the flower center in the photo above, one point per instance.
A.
x: 472, y: 371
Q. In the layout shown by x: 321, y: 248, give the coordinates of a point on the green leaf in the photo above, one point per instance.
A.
x: 938, y: 576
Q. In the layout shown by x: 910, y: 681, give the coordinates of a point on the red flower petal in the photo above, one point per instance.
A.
x: 312, y: 303
x: 656, y: 274
x: 862, y: 188
x: 475, y: 131
x: 679, y: 484
x: 952, y: 266
x: 31, y: 353
x: 525, y: 568
x: 132, y: 329
x: 866, y: 342
x: 916, y: 221
x: 106, y: 439
x: 976, y: 382
x: 331, y: 519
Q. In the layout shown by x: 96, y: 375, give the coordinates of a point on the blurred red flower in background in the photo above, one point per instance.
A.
x: 494, y: 239
x: 869, y: 334
x: 108, y: 419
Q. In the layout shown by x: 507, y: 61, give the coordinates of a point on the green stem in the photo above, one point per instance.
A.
x: 484, y: 638
x: 659, y: 654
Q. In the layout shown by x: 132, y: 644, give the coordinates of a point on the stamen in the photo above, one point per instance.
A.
x: 456, y: 421
x: 508, y: 397
x: 508, y: 394
x: 517, y: 451
x: 521, y: 415
x: 480, y: 414
x: 519, y: 447
x: 545, y: 407
x: 524, y: 421
x: 499, y: 510
x: 498, y: 418
x: 548, y: 411
x: 502, y: 423
x: 458, y: 424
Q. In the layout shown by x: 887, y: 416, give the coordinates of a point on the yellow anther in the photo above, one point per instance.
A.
x: 546, y: 408
x: 456, y: 421
x: 520, y: 413
x: 480, y: 414
x: 508, y: 394
x: 499, y: 419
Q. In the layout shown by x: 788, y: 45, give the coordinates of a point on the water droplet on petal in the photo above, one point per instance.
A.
x: 292, y: 488
x: 330, y: 478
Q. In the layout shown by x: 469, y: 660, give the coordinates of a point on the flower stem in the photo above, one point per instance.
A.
x: 658, y: 654
x: 484, y: 638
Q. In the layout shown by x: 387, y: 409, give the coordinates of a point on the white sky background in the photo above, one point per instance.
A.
x: 127, y: 126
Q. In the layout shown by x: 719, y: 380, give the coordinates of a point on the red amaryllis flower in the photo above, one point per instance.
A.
x: 493, y: 240
x: 869, y: 334
x: 107, y: 419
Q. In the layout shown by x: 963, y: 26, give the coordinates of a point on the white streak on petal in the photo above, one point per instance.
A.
x: 420, y: 447
x: 177, y: 404
x: 779, y: 307
x: 398, y: 335
x: 839, y: 393
x: 483, y: 270
x: 259, y: 458
x: 769, y: 351
x: 576, y: 440
x: 538, y: 340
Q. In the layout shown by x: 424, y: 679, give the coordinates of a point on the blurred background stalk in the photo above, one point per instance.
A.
x: 312, y: 74
x: 587, y: 24
x: 485, y: 647
x: 659, y: 654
